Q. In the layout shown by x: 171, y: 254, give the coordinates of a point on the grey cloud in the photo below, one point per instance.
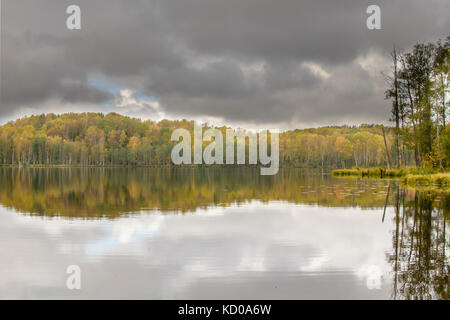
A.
x: 34, y: 69
x: 236, y: 60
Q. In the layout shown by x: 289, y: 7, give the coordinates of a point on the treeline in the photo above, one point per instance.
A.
x: 336, y: 147
x: 418, y: 88
x: 113, y: 139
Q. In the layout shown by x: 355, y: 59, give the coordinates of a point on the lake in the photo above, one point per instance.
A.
x: 219, y: 233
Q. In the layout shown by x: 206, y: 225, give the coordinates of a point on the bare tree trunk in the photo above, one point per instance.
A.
x: 396, y: 108
x: 411, y: 101
x: 439, y: 142
x: 387, y: 150
x: 443, y: 102
x: 356, y: 160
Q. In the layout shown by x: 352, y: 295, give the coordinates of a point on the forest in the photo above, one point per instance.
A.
x: 419, y: 88
x: 113, y: 139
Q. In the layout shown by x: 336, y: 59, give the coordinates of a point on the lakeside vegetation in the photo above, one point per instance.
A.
x: 370, y: 172
x: 418, y: 89
x: 412, y: 178
x: 94, y: 139
x: 431, y: 181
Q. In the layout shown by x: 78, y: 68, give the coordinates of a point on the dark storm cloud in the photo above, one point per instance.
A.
x: 286, y: 62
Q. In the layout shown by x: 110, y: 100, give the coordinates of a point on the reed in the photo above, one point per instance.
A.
x: 438, y: 180
x: 371, y: 172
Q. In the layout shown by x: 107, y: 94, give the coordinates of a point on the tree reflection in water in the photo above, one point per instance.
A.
x: 111, y: 192
x: 420, y: 244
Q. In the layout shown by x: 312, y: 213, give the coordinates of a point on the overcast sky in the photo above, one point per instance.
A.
x: 253, y: 63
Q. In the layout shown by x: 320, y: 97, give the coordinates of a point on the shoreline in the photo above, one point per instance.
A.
x: 370, y: 172
x: 417, y: 178
x: 439, y: 181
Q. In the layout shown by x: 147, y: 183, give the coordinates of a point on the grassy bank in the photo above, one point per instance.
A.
x: 412, y: 177
x: 371, y: 172
x: 437, y: 180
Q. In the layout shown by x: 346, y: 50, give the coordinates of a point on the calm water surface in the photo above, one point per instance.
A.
x: 219, y: 233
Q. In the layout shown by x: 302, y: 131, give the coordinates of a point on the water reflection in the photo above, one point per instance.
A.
x: 110, y: 192
x: 255, y: 250
x: 420, y: 257
x: 219, y: 233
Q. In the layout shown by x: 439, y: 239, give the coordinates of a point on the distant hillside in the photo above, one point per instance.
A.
x: 113, y: 139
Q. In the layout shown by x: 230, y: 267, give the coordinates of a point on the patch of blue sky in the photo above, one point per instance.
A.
x: 142, y: 97
x: 104, y: 85
x: 105, y: 245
